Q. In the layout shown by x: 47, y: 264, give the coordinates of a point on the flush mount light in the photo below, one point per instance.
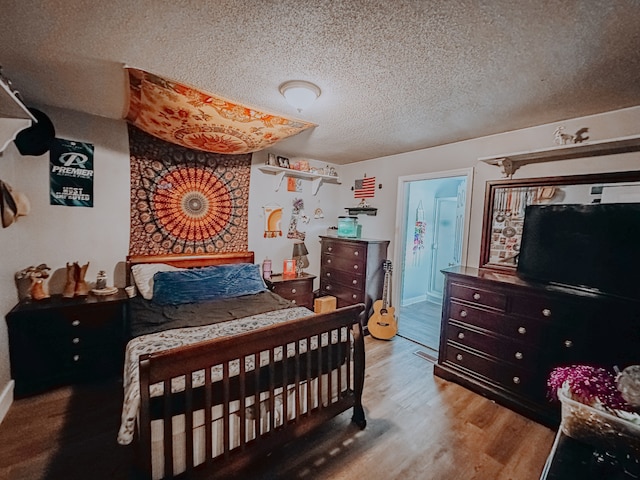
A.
x: 299, y: 94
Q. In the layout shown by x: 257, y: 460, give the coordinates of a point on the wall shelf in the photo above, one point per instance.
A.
x: 316, y: 178
x: 512, y: 161
x: 361, y: 210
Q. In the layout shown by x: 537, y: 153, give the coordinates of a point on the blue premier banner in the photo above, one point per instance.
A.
x: 71, y: 173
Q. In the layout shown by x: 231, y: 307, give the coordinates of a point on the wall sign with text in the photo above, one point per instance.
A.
x: 71, y: 173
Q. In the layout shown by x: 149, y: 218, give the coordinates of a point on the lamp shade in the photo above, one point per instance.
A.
x: 299, y: 250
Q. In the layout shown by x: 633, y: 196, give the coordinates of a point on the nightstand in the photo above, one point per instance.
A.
x: 59, y: 341
x: 297, y: 289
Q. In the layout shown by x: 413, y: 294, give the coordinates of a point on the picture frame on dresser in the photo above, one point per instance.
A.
x: 505, y: 202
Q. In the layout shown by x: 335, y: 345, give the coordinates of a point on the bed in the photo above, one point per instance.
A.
x: 211, y: 383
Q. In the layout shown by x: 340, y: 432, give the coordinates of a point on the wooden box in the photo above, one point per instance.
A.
x: 324, y: 304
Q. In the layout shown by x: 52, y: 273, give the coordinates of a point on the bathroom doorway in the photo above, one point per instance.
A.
x: 434, y: 209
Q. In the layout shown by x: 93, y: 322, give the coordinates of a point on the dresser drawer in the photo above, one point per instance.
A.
x: 345, y: 295
x: 347, y: 250
x: 469, y: 293
x: 517, y: 380
x: 346, y: 264
x: 554, y: 309
x: 355, y: 280
x: 520, y: 354
x: 522, y: 329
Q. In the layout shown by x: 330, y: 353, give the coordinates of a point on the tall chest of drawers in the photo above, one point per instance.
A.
x: 501, y: 336
x: 351, y: 270
x: 59, y: 341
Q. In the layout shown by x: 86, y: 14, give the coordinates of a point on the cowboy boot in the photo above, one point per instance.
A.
x: 82, y: 288
x: 38, y: 291
x: 70, y: 287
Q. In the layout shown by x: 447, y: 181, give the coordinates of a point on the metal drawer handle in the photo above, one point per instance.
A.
x: 519, y: 355
x: 328, y: 287
x: 463, y: 313
x: 522, y: 330
x: 476, y: 296
x: 76, y: 358
x: 568, y: 343
x: 75, y: 323
x: 459, y: 357
x: 355, y: 282
x: 355, y: 253
x: 328, y: 260
x: 354, y: 296
x: 293, y: 301
x: 293, y: 290
x: 355, y: 267
x: 461, y: 335
x: 76, y: 340
x: 546, y: 312
x: 328, y: 274
x: 329, y: 248
x: 516, y: 380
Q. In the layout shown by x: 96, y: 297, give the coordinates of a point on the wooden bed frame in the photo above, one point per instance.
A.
x: 334, y: 366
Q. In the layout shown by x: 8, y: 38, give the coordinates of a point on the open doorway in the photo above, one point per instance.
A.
x: 434, y: 209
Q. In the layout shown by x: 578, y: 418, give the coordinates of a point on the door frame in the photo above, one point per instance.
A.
x: 402, y: 220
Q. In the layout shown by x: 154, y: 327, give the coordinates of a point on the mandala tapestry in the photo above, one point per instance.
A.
x: 186, y: 201
x: 195, y: 119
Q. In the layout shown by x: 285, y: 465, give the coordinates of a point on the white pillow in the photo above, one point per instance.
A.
x: 143, y: 276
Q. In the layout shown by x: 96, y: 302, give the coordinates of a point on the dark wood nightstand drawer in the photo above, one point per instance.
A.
x: 298, y: 290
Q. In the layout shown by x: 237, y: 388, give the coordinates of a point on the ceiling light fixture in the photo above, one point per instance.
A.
x: 299, y: 94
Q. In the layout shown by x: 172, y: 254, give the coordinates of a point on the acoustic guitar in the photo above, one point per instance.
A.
x: 382, y: 324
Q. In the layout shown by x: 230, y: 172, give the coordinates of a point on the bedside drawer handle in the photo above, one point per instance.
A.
x: 354, y: 296
x: 328, y: 287
x: 76, y: 340
x: 355, y: 267
x: 293, y: 301
x: 75, y: 323
x: 568, y: 344
x: 328, y: 274
x: 476, y: 296
x: 461, y: 335
x: 519, y: 355
x: 76, y: 358
x: 328, y: 260
x: 355, y: 282
x: 522, y: 330
x: 546, y: 312
x: 355, y: 253
x: 329, y: 249
x: 516, y: 380
x: 463, y: 313
x: 293, y: 290
x: 459, y: 357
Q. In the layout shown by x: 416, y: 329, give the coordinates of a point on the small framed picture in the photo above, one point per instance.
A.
x: 289, y: 267
x: 271, y: 160
x: 283, y: 162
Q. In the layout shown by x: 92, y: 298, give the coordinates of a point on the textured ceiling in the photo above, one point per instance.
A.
x: 396, y: 75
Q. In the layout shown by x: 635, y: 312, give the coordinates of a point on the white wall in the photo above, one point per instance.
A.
x: 465, y: 155
x: 100, y: 235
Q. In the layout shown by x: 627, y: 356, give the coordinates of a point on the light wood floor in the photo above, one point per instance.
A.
x: 419, y: 427
x: 420, y: 322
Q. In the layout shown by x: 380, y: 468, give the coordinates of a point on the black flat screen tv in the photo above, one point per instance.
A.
x: 596, y: 247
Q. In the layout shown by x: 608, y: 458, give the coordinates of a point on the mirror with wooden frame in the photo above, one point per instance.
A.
x: 505, y: 202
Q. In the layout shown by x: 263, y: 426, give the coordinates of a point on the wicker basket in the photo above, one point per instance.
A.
x: 598, y: 428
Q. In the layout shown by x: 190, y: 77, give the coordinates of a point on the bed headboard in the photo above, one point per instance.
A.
x: 190, y: 261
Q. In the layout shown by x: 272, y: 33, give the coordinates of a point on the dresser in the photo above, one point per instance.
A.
x: 297, y: 289
x: 351, y: 270
x: 59, y: 341
x: 501, y: 336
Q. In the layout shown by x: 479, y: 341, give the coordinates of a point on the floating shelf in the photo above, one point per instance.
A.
x: 361, y: 210
x: 316, y: 178
x: 510, y: 162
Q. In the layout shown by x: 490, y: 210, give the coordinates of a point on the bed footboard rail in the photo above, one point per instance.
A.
x: 227, y: 401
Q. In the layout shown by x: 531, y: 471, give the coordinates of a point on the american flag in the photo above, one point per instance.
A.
x: 365, y: 188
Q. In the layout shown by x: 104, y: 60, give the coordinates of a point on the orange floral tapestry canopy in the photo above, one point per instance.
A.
x: 194, y: 119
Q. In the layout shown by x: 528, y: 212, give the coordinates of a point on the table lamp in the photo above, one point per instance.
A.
x: 300, y: 253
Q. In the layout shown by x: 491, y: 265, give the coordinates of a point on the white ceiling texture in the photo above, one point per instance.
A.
x: 395, y: 75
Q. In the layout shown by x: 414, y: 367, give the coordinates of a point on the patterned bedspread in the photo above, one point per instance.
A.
x: 156, y: 342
